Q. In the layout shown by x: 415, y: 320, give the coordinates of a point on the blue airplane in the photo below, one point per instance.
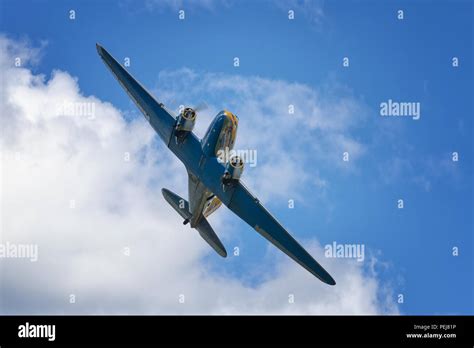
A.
x: 211, y: 182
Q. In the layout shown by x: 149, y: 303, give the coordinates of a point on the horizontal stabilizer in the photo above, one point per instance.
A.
x: 179, y: 204
x: 208, y: 234
x: 205, y: 230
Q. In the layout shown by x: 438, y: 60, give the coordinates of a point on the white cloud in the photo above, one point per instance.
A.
x: 50, y: 158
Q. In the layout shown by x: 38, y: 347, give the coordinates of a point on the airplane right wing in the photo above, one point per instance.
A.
x: 249, y: 209
x: 160, y: 119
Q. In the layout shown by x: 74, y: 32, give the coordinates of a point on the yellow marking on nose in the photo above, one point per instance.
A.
x: 231, y: 117
x: 234, y: 120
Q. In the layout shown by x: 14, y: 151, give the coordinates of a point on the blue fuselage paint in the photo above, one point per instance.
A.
x: 199, y: 157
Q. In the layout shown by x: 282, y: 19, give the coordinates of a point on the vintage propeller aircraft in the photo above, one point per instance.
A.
x: 211, y: 182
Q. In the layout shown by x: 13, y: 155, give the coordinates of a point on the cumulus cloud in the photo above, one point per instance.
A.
x: 84, y: 184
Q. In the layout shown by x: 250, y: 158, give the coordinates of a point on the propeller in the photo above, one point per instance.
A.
x: 201, y: 106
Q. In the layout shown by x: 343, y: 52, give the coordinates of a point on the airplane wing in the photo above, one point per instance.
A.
x: 249, y: 209
x: 160, y: 119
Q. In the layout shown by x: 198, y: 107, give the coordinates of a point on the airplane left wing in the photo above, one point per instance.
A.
x: 249, y: 209
x: 160, y: 119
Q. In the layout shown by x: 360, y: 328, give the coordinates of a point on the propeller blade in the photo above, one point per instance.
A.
x: 201, y: 106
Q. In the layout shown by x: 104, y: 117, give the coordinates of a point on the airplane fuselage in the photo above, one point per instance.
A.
x: 220, y: 135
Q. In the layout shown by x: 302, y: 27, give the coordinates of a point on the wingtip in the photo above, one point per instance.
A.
x: 325, y: 277
x: 328, y: 279
x: 220, y: 249
x: 99, y: 48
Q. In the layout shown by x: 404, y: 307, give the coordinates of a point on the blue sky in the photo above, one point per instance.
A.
x: 404, y: 60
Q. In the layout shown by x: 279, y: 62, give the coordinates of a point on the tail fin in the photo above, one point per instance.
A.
x: 205, y: 230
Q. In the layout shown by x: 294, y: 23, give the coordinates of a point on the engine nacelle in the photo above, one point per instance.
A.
x: 186, y: 120
x: 233, y: 170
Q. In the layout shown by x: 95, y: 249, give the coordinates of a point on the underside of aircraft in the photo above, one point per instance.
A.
x: 211, y: 183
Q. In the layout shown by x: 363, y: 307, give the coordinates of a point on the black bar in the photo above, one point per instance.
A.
x: 288, y: 330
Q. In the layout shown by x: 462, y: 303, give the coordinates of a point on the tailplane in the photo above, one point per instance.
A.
x: 205, y: 230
